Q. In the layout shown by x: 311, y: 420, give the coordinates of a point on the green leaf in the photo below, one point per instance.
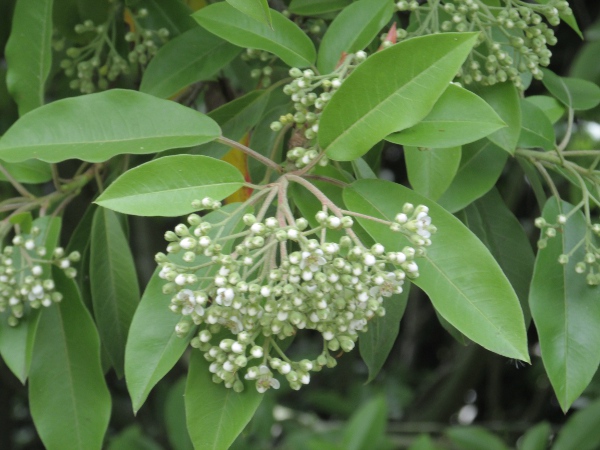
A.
x: 286, y: 40
x: 537, y: 437
x: 357, y: 117
x: 366, y: 426
x: 132, y: 438
x: 196, y: 55
x: 537, y: 130
x: 474, y: 438
x: 458, y: 117
x: 114, y: 285
x: 504, y: 99
x: 16, y: 343
x: 257, y: 9
x: 467, y: 288
x: 565, y: 309
x: 169, y: 14
x: 99, y: 126
x: 501, y: 232
x: 265, y: 141
x: 572, y: 92
x: 362, y: 169
x: 584, y: 66
x: 375, y: 345
x: 168, y: 186
x: 551, y: 107
x: 70, y: 403
x: 481, y: 165
x: 215, y: 415
x: 177, y: 432
x: 352, y: 30
x: 235, y: 118
x: 431, y: 170
x: 30, y: 171
x: 152, y: 351
x: 29, y: 53
x: 581, y: 430
x: 317, y: 7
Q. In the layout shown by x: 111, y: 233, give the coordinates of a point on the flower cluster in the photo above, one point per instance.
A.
x: 97, y: 63
x: 590, y: 261
x: 513, y: 40
x: 310, y: 94
x: 279, y: 280
x: 24, y: 283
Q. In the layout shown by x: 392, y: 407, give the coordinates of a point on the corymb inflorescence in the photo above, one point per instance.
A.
x: 268, y: 277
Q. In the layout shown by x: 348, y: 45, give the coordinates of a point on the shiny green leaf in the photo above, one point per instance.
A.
x: 70, y: 403
x: 356, y: 117
x: 257, y: 9
x: 352, y: 30
x: 215, y: 415
x: 377, y: 342
x: 317, y: 7
x: 431, y: 170
x: 99, y: 126
x: 503, y: 235
x: 467, y: 288
x: 196, y: 55
x: 30, y: 171
x: 504, y: 99
x: 114, y: 285
x: 537, y: 130
x: 572, y: 92
x: 481, y: 165
x: 236, y: 118
x: 168, y: 186
x: 458, y: 117
x: 553, y: 109
x: 151, y: 351
x: 29, y: 53
x: 285, y: 39
x: 565, y: 309
x: 169, y: 14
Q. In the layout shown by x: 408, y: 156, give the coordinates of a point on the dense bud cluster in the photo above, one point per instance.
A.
x: 310, y: 94
x: 281, y: 279
x: 24, y: 276
x: 513, y: 40
x: 97, y: 63
x: 590, y: 262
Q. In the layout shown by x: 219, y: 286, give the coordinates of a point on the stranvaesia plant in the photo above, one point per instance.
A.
x: 261, y: 130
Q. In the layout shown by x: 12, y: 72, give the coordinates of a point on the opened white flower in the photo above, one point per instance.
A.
x: 312, y: 260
